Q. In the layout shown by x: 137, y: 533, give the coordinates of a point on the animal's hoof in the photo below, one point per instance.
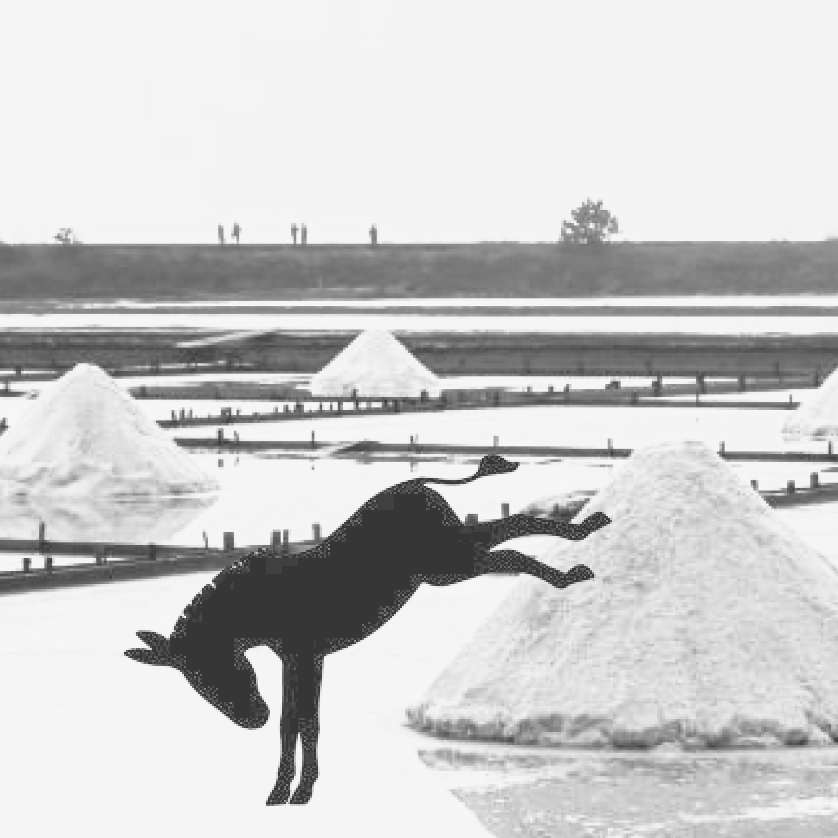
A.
x: 597, y: 520
x: 579, y: 573
x: 301, y: 795
x: 279, y: 795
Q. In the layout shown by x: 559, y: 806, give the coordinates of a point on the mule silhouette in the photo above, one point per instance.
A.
x: 307, y: 605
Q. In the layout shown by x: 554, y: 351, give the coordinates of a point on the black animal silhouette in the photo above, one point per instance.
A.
x: 307, y: 605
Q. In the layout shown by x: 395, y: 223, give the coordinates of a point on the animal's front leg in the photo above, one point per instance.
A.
x: 288, y: 727
x: 311, y: 676
x: 511, y: 561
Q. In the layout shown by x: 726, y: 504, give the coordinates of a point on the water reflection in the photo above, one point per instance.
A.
x: 138, y: 520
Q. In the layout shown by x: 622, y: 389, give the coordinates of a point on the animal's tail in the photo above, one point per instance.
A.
x: 490, y: 464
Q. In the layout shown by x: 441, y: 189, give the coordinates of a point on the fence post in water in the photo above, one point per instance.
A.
x: 48, y: 564
x: 42, y: 536
x: 813, y: 480
x: 610, y: 448
x: 829, y: 449
x: 504, y: 510
x: 721, y: 449
x: 285, y: 541
x: 221, y: 435
x: 315, y: 528
x: 471, y: 518
x: 790, y: 487
x: 229, y: 541
x: 276, y: 538
x: 312, y: 439
x: 496, y: 442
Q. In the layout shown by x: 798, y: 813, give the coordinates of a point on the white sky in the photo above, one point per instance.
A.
x: 439, y: 120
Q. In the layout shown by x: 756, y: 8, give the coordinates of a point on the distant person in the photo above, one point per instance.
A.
x: 294, y: 229
x: 374, y: 236
x: 303, y: 235
x: 237, y: 231
x: 221, y: 234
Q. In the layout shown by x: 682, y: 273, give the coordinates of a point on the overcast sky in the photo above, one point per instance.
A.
x: 439, y: 120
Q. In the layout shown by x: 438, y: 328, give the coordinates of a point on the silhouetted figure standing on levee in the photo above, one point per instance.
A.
x: 303, y: 235
x: 221, y: 234
x: 373, y: 236
x: 237, y: 231
x: 294, y: 234
x: 308, y: 605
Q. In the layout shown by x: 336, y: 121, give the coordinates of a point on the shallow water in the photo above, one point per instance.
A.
x: 353, y: 322
x: 264, y: 493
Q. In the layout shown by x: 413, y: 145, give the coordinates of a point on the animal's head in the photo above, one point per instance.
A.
x: 495, y: 464
x: 219, y: 674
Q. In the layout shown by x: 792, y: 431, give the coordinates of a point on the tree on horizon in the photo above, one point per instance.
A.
x: 592, y: 224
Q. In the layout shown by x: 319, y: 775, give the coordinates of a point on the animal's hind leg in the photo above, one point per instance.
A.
x: 288, y: 727
x: 511, y: 561
x: 491, y: 533
x: 310, y: 679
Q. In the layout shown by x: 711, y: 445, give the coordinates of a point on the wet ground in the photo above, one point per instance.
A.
x: 527, y: 793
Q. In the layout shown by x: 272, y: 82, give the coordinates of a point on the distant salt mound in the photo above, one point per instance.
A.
x: 817, y: 416
x: 709, y: 624
x: 84, y: 435
x: 376, y: 365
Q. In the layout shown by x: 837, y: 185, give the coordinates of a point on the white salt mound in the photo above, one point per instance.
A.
x: 85, y: 435
x: 817, y: 416
x: 709, y: 624
x: 375, y: 364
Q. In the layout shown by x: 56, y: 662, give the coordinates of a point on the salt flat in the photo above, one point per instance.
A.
x: 94, y: 744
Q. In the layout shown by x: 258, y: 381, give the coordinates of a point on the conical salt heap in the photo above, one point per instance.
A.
x: 709, y: 624
x: 817, y: 417
x: 84, y: 435
x: 375, y: 364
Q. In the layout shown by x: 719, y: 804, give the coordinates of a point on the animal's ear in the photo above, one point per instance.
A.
x: 146, y: 656
x: 154, y: 641
x: 158, y: 653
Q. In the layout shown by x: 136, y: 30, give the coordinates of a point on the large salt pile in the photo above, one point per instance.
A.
x: 375, y: 364
x: 817, y: 416
x: 709, y: 623
x: 84, y: 435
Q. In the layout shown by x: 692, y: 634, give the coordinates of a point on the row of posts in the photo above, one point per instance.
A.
x: 279, y: 538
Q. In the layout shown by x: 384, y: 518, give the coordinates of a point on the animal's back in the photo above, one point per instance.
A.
x: 357, y: 578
